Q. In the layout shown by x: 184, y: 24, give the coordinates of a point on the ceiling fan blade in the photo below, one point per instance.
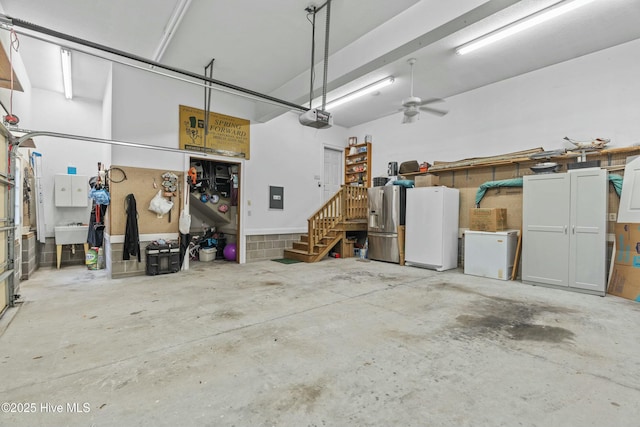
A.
x: 431, y: 101
x: 434, y: 111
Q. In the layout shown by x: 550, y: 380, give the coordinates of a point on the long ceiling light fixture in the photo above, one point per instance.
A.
x: 361, y: 91
x: 539, y: 17
x: 65, y: 56
x: 170, y: 29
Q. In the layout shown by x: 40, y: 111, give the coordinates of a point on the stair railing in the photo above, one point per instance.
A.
x: 349, y: 203
x: 355, y: 202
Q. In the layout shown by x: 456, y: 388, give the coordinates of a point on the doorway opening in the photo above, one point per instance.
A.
x: 214, y: 195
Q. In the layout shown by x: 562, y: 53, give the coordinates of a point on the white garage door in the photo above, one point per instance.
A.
x: 6, y: 225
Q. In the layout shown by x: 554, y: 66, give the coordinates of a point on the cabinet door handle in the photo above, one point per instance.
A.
x: 565, y: 229
x: 573, y: 229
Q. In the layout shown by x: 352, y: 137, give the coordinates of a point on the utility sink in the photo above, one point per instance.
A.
x: 71, y: 234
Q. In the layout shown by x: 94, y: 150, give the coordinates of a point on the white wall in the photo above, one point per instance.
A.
x: 286, y: 154
x: 52, y: 112
x: 145, y: 110
x: 593, y: 96
x: 107, y: 106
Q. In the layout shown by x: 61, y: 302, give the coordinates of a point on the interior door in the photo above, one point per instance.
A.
x: 545, y: 226
x: 589, y: 191
x: 332, y: 172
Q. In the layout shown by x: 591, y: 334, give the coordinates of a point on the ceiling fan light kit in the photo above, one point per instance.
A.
x: 525, y: 23
x: 412, y: 105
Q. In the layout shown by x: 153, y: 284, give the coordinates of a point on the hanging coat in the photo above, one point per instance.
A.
x: 131, y: 236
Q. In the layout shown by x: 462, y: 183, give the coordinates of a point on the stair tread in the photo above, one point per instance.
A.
x: 299, y: 251
x: 317, y: 244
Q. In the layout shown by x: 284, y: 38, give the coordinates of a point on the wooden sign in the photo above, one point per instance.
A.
x: 227, y: 135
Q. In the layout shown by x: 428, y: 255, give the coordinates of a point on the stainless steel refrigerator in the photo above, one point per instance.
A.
x: 386, y: 213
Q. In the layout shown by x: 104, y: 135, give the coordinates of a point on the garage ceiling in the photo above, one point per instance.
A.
x: 266, y: 46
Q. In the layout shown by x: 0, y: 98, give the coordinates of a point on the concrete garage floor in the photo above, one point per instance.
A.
x: 335, y: 343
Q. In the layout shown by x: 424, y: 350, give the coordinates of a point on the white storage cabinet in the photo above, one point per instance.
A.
x: 564, y: 222
x: 71, y: 190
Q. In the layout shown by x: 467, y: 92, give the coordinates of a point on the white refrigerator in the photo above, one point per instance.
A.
x: 489, y: 254
x: 432, y: 227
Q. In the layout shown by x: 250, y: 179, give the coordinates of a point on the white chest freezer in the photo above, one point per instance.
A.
x: 489, y: 254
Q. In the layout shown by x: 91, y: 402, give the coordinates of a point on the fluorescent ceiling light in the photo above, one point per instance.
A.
x: 65, y: 55
x: 372, y: 87
x: 539, y: 17
x: 170, y: 29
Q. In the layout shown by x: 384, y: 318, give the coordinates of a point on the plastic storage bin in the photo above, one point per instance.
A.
x: 207, y: 254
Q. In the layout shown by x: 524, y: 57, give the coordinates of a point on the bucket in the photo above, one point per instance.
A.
x: 207, y: 254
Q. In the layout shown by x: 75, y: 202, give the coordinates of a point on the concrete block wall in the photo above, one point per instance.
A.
x: 29, y: 258
x: 47, y: 254
x: 269, y: 246
x: 121, y: 268
x: 259, y: 248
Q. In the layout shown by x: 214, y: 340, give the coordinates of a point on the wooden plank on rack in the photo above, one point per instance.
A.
x: 401, y: 233
x: 516, y: 261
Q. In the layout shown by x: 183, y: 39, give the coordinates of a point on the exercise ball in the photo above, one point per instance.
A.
x: 230, y: 252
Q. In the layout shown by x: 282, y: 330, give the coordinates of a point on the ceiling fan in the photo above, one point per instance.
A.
x: 413, y: 104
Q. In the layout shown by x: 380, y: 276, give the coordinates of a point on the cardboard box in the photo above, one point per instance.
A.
x: 428, y: 180
x: 625, y: 279
x: 487, y: 219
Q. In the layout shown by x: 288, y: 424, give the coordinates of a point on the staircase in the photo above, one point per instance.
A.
x: 345, y: 211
